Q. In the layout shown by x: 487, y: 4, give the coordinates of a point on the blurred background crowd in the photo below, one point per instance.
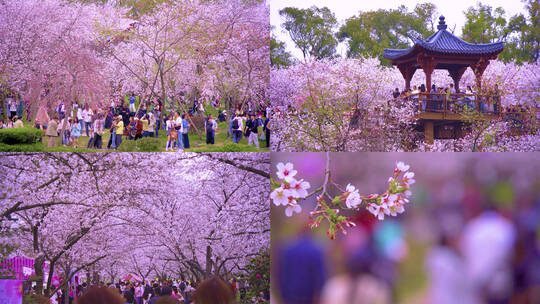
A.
x: 471, y: 233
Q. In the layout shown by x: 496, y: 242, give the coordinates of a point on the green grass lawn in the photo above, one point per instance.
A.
x: 197, y: 144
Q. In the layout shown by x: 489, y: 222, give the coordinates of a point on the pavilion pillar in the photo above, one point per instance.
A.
x: 456, y: 76
x: 428, y: 65
x: 429, y: 132
x: 407, y: 71
x: 478, y: 68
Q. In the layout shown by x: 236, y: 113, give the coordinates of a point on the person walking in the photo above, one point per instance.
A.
x: 52, y: 131
x: 210, y: 126
x: 185, y: 132
x: 171, y: 132
x: 178, y: 126
x: 12, y: 108
x: 253, y: 124
x: 132, y: 103
x: 236, y: 127
x: 138, y: 128
x: 139, y: 293
x: 267, y: 129
x: 119, y: 130
x: 145, y: 122
x: 87, y: 114
x: 66, y: 138
x: 108, y: 125
x: 75, y: 132
x: 98, y: 131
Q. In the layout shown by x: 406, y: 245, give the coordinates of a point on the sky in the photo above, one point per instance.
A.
x: 452, y: 10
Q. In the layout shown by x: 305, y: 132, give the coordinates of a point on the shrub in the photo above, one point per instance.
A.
x: 128, y: 146
x: 18, y: 136
x: 35, y: 147
x: 148, y: 144
x: 230, y: 147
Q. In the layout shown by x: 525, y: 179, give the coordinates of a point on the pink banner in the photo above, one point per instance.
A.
x: 11, y: 291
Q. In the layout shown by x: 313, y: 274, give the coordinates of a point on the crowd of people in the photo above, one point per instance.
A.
x: 15, y: 109
x: 477, y: 253
x: 124, y: 121
x: 213, y: 290
x: 249, y: 125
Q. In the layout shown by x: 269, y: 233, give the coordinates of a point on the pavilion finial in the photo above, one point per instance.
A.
x: 442, y: 24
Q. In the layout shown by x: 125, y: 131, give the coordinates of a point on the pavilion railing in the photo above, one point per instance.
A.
x: 457, y: 103
x: 464, y: 103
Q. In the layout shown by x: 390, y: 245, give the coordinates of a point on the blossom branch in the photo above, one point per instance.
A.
x: 288, y: 190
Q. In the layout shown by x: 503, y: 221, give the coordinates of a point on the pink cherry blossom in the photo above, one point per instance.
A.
x: 280, y: 196
x: 379, y: 210
x: 293, y: 208
x: 401, y: 166
x: 299, y: 188
x: 286, y: 172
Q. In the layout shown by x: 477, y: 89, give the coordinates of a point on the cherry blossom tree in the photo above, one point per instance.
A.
x: 167, y: 215
x: 49, y: 53
x: 202, y: 48
x: 81, y: 52
x: 346, y: 105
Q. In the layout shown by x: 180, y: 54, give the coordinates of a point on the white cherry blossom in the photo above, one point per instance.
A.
x: 379, y: 210
x: 298, y: 188
x: 280, y: 196
x: 401, y: 166
x: 286, y: 172
x: 353, y: 198
x: 292, y: 208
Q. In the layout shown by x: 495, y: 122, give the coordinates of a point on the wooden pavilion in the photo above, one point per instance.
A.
x: 439, y: 114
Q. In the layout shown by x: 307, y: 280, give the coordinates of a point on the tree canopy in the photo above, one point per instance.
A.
x: 520, y: 33
x: 316, y: 33
x: 311, y: 30
x: 369, y: 33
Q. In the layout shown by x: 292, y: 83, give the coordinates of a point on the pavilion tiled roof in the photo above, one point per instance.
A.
x: 445, y: 42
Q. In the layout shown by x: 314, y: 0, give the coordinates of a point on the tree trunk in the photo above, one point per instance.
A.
x: 51, y: 270
x: 38, y: 267
x: 65, y: 290
x: 209, y: 263
x: 35, y: 234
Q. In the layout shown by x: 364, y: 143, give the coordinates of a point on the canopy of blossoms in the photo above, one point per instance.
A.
x: 153, y: 215
x: 54, y: 50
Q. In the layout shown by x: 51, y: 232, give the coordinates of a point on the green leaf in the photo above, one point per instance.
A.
x: 275, y: 183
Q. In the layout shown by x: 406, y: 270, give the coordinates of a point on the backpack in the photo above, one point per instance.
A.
x: 235, y: 124
x: 254, y: 125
